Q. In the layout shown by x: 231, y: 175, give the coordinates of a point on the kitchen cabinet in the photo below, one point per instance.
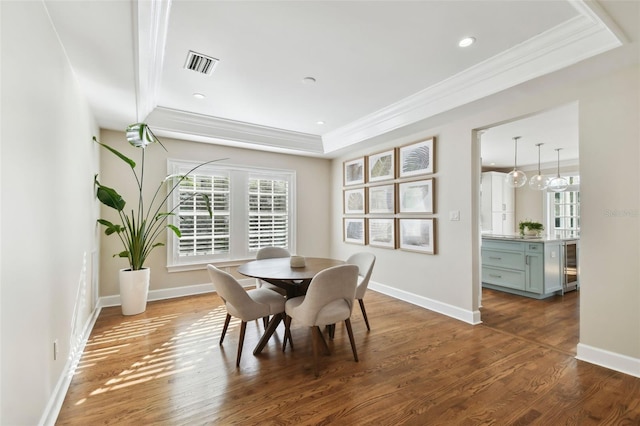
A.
x: 528, y: 268
x: 497, y: 206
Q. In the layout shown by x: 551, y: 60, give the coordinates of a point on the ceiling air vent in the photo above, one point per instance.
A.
x: 200, y: 63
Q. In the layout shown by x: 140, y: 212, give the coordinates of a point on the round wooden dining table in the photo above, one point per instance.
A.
x: 279, y: 272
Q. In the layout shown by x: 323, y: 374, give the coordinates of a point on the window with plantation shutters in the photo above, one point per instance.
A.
x: 202, y: 233
x: 251, y: 208
x: 268, y: 213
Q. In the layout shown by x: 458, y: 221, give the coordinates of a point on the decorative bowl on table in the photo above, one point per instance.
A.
x: 297, y: 262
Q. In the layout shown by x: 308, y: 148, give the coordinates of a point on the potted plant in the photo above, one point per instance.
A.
x: 530, y: 228
x: 139, y: 228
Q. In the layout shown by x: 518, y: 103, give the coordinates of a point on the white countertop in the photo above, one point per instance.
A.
x: 540, y: 239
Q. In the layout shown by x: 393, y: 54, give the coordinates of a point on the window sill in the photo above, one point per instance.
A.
x: 201, y: 266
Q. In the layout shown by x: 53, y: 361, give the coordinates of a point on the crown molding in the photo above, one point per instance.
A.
x: 150, y: 26
x: 579, y: 38
x: 204, y: 128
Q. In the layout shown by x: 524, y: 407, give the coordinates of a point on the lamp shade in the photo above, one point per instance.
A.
x: 539, y: 182
x: 516, y: 178
x: 558, y: 183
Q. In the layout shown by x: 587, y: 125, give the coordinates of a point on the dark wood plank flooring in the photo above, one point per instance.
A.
x: 417, y: 367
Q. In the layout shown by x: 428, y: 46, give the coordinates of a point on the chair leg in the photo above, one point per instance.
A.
x: 331, y: 328
x: 224, y: 329
x: 287, y: 333
x: 364, y: 313
x: 265, y: 321
x: 243, y: 328
x: 324, y: 342
x: 315, y: 337
x: 347, y: 322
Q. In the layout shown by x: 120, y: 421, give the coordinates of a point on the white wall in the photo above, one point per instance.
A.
x: 313, y: 189
x: 48, y: 212
x: 607, y: 94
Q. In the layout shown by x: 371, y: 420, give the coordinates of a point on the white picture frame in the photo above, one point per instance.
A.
x: 382, y: 232
x: 417, y: 235
x: 355, y: 201
x: 416, y: 196
x: 382, y: 166
x: 417, y: 158
x: 354, y: 230
x: 354, y: 171
x: 381, y: 199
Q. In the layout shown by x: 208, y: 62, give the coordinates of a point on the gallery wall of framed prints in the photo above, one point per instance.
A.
x: 389, y: 198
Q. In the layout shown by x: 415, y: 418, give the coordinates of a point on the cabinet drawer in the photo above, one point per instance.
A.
x: 534, y: 247
x: 490, y: 244
x: 503, y: 259
x: 503, y: 277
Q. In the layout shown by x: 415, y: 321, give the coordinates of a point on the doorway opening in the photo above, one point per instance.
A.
x: 503, y: 310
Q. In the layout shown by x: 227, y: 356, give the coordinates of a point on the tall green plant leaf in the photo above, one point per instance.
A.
x: 108, y: 196
x: 123, y: 157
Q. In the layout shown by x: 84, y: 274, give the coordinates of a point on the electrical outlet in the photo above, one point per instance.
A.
x: 55, y: 349
x: 454, y: 215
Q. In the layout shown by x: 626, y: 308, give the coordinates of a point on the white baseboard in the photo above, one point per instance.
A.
x: 611, y: 360
x: 171, y: 293
x: 52, y: 410
x: 470, y: 317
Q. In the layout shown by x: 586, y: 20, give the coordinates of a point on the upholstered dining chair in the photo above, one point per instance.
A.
x: 329, y: 300
x: 271, y: 253
x: 365, y: 262
x: 246, y: 305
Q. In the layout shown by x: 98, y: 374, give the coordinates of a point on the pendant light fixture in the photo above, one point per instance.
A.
x: 558, y: 183
x: 516, y: 178
x: 539, y: 182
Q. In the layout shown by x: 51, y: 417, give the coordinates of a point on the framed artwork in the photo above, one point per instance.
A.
x: 354, y: 201
x: 354, y: 230
x: 415, y: 196
x: 382, y: 199
x: 382, y: 232
x: 417, y: 235
x: 416, y: 158
x: 354, y: 171
x: 382, y: 166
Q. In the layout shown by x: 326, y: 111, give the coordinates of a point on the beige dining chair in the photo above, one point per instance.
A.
x: 365, y: 262
x: 272, y: 253
x: 247, y: 305
x: 329, y: 300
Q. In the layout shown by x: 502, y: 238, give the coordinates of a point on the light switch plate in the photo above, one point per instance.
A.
x: 454, y: 215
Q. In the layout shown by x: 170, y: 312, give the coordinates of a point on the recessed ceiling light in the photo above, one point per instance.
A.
x: 308, y: 80
x: 320, y: 122
x: 467, y: 41
x: 199, y: 96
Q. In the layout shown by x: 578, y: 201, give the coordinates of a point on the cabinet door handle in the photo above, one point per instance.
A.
x: 495, y: 276
x: 495, y: 258
x: 526, y: 260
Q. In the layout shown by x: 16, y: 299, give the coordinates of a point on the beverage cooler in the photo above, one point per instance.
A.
x: 570, y: 269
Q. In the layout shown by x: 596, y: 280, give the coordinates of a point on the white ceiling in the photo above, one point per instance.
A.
x: 378, y: 65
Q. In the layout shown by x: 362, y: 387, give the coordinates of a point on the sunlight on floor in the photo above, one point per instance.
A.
x: 177, y: 355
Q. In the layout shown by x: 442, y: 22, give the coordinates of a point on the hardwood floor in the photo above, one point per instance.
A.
x: 417, y: 367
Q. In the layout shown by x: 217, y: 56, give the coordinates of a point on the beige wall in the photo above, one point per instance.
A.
x: 609, y: 164
x: 48, y: 213
x: 313, y: 182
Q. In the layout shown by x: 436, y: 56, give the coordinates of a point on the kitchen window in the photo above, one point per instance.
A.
x: 252, y: 208
x: 564, y: 209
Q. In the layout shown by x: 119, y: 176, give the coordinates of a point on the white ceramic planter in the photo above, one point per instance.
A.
x: 134, y: 289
